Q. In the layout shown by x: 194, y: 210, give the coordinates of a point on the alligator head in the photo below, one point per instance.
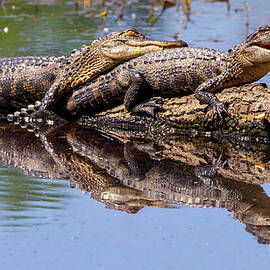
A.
x: 130, y: 43
x: 251, y: 59
x: 107, y: 52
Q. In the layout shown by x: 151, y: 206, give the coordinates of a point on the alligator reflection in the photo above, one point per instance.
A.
x: 128, y: 174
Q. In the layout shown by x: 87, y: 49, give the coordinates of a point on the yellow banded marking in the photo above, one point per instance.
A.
x: 260, y: 116
x: 138, y: 50
x: 261, y: 166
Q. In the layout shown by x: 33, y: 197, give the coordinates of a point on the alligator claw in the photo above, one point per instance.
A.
x: 37, y: 104
x: 206, y: 172
x: 219, y: 112
x: 10, y: 117
x: 23, y: 112
x: 150, y: 107
x: 30, y: 117
x: 44, y: 116
x: 31, y: 109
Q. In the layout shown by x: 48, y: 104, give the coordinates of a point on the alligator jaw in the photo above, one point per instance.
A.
x: 257, y: 48
x: 258, y: 53
x: 128, y: 49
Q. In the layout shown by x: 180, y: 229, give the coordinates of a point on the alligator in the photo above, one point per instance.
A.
x: 168, y: 73
x: 137, y: 174
x: 25, y: 80
x: 175, y: 72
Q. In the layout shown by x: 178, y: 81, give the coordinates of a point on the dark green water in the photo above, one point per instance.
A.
x: 45, y: 224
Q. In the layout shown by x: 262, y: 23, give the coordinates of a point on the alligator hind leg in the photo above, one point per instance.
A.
x: 136, y: 92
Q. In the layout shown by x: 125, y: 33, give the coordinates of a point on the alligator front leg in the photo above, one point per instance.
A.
x: 51, y: 97
x: 48, y: 104
x: 35, y: 116
x: 41, y: 111
x: 218, y: 108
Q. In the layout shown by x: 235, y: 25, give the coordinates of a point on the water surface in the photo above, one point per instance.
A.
x: 64, y: 206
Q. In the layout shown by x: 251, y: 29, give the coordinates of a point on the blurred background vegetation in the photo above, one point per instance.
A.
x: 57, y: 26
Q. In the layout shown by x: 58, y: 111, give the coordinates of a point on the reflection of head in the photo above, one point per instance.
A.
x: 119, y: 198
x: 261, y: 232
x: 256, y: 217
x: 126, y: 208
x: 126, y: 199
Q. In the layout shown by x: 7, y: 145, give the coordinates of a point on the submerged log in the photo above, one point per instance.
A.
x: 248, y: 107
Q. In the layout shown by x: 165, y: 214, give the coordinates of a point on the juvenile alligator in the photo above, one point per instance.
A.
x: 24, y: 80
x: 175, y: 72
x: 171, y: 72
